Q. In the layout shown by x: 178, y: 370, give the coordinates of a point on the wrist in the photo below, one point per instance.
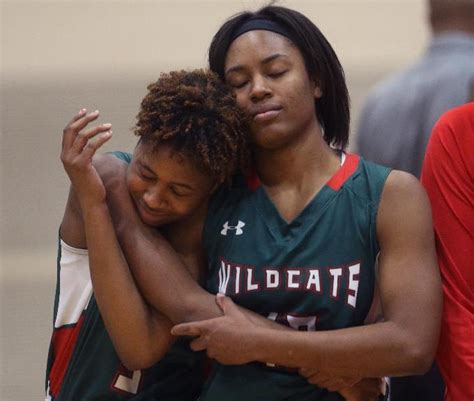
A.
x: 260, y: 344
x: 90, y: 201
x: 93, y: 209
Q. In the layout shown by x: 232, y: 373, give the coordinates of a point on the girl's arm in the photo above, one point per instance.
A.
x: 141, y: 335
x: 162, y: 277
x: 403, y: 344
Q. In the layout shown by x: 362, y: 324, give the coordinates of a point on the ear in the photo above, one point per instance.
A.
x: 318, y: 93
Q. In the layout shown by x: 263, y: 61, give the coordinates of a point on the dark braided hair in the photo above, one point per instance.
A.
x: 195, y: 113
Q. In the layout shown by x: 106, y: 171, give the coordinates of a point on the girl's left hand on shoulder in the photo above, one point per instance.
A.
x: 227, y: 339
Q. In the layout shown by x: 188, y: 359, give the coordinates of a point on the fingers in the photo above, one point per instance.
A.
x: 91, y: 147
x: 81, y: 122
x: 331, y: 383
x: 77, y: 144
x: 220, y: 301
x: 193, y: 330
x: 83, y: 137
x: 79, y: 114
x: 78, y: 122
x: 306, y: 372
x: 226, y: 304
x: 199, y: 344
x: 365, y: 389
x: 187, y: 329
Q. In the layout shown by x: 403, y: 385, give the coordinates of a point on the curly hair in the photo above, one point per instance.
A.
x: 195, y: 113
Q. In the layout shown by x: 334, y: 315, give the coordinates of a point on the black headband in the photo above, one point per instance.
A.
x: 260, y: 23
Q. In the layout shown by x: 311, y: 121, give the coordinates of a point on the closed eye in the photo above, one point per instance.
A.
x: 238, y: 85
x: 277, y: 74
x: 178, y: 192
x: 145, y: 175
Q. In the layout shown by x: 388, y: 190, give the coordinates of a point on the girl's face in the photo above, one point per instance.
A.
x: 166, y: 186
x: 269, y: 78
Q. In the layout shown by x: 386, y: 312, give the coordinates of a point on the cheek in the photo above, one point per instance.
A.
x: 183, y: 207
x: 302, y: 104
x: 241, y: 97
x: 135, y: 185
x: 189, y: 205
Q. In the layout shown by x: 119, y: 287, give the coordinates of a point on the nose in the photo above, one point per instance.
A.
x: 154, y: 197
x: 259, y: 89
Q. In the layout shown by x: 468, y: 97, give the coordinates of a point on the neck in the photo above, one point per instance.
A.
x: 294, y: 174
x: 297, y: 163
x: 185, y: 235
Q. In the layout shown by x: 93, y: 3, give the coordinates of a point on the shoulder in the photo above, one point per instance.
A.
x: 401, y: 185
x: 111, y: 165
x: 368, y: 179
x: 113, y: 159
x: 404, y: 207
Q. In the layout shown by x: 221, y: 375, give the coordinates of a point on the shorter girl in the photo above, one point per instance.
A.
x: 191, y: 140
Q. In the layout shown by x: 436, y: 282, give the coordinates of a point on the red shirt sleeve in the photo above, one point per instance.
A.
x: 448, y: 177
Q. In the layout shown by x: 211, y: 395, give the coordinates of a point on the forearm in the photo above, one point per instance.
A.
x: 159, y: 272
x: 381, y: 349
x: 140, y: 336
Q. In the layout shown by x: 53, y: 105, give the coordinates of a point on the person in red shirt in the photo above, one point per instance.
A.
x: 448, y: 177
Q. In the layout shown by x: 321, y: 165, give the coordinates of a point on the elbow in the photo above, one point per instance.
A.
x: 419, y: 361
x: 144, y: 354
x: 419, y: 352
x: 141, y: 360
x: 133, y: 363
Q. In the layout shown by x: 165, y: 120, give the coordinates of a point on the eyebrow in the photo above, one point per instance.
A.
x: 266, y: 60
x: 180, y: 184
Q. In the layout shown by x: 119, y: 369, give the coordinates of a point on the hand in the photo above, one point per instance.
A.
x: 331, y: 383
x: 226, y: 339
x: 364, y: 390
x: 76, y: 156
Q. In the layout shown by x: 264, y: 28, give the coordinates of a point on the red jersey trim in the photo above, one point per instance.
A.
x: 253, y: 182
x: 336, y: 181
x: 347, y: 169
x: 64, y: 342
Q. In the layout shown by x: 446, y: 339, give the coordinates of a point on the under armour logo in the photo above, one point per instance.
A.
x: 237, y: 228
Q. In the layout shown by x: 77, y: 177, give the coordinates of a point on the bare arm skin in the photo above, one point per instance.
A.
x: 404, y: 343
x: 162, y: 277
x: 168, y: 285
x: 141, y: 336
x: 164, y: 280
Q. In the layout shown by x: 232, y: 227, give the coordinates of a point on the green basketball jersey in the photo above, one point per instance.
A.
x: 82, y: 362
x: 316, y: 272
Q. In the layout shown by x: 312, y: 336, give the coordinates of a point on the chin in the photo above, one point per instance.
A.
x: 270, y: 138
x: 271, y: 141
x: 154, y: 221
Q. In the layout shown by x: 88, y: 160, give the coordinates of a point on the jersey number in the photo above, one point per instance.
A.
x: 300, y: 323
x: 127, y: 383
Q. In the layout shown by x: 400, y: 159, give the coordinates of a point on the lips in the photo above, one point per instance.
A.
x: 265, y: 112
x: 155, y: 214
